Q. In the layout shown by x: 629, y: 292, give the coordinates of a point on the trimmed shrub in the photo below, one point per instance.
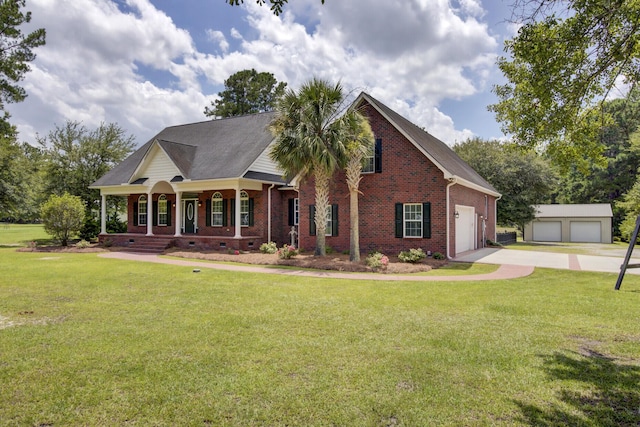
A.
x: 269, y: 248
x: 412, y: 256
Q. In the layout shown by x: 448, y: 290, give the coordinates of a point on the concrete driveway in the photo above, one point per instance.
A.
x: 607, y: 264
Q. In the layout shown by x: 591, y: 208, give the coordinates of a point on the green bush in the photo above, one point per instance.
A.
x: 438, y: 255
x: 83, y: 244
x: 269, y: 248
x: 412, y: 255
x: 376, y: 260
x: 90, y: 228
x: 63, y: 217
x: 114, y: 225
x: 287, y: 252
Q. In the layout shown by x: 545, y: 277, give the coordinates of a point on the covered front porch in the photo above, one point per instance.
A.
x: 227, y: 215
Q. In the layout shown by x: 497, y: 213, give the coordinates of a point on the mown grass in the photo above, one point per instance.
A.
x: 570, y: 248
x: 92, y: 341
x: 22, y: 234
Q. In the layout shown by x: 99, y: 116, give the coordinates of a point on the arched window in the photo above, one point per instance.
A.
x: 142, y: 210
x: 244, y: 209
x: 162, y: 210
x: 217, y: 212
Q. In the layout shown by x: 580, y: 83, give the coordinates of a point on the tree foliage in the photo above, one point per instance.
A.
x: 16, y: 51
x: 607, y: 182
x: 77, y: 157
x: 276, y: 5
x: 566, y: 58
x: 246, y: 92
x: 311, y: 141
x: 522, y: 177
x: 63, y: 217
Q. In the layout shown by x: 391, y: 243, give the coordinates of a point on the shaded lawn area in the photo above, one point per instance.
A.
x: 92, y: 341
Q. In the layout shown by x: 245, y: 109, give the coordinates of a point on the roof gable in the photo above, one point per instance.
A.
x: 439, y: 153
x: 215, y: 149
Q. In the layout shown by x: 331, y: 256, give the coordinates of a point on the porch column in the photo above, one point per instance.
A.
x: 178, y: 214
x: 238, y: 216
x: 103, y: 215
x: 149, y: 214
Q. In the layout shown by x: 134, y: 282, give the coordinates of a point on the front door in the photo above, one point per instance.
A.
x: 189, y: 216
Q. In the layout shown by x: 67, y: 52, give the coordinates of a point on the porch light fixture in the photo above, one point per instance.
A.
x: 457, y: 214
x: 199, y: 203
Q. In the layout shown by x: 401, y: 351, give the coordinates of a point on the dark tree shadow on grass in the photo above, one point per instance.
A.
x: 600, y: 391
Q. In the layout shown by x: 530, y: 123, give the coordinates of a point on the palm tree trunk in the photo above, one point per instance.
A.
x: 353, y: 174
x: 322, y: 208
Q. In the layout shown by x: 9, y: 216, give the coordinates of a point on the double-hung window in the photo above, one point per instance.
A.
x: 244, y: 209
x: 413, y: 220
x: 162, y: 210
x: 142, y: 210
x: 217, y: 212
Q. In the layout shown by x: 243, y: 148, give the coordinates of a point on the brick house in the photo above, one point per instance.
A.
x: 212, y: 185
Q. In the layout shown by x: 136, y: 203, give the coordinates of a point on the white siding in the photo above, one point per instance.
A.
x: 157, y: 167
x: 264, y: 163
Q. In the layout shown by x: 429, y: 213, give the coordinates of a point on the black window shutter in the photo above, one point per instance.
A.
x: 208, y: 212
x: 399, y: 220
x: 312, y: 220
x: 378, y: 156
x: 334, y: 220
x: 135, y: 214
x: 251, y: 202
x: 224, y: 212
x: 291, y: 212
x: 155, y: 213
x: 168, y: 213
x: 426, y: 220
x: 233, y: 211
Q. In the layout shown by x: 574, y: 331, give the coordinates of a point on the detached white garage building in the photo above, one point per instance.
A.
x: 571, y: 223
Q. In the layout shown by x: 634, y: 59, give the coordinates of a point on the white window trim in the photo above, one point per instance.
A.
x: 296, y: 211
x: 142, y: 217
x: 244, y: 203
x: 217, y: 197
x: 163, y: 198
x: 371, y: 160
x: 405, y: 220
x: 328, y: 230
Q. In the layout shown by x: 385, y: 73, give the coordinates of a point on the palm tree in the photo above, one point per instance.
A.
x: 311, y: 141
x: 358, y: 147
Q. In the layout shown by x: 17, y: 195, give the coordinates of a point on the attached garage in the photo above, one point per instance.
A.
x: 582, y: 223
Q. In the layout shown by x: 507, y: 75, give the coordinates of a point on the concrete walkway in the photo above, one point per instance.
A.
x: 605, y: 264
x: 503, y: 272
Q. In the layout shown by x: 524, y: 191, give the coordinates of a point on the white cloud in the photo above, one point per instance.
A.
x: 219, y: 38
x: 133, y: 65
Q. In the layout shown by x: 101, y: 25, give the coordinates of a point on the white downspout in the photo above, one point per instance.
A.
x: 269, y: 215
x: 452, y: 181
x: 495, y: 220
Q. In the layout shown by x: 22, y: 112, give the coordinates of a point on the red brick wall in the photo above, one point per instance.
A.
x: 407, y: 177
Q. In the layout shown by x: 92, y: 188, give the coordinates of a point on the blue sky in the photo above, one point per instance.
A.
x: 148, y: 64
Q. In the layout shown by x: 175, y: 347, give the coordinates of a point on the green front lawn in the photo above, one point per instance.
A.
x: 92, y: 341
x: 22, y: 234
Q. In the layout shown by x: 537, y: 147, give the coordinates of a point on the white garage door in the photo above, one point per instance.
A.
x: 588, y: 231
x: 550, y: 231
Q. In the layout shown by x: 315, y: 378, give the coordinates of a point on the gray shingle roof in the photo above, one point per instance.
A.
x: 444, y: 157
x: 214, y: 149
x: 578, y: 210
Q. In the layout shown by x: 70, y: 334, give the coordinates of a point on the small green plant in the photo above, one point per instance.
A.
x: 438, y: 255
x: 492, y: 243
x: 83, y: 244
x: 377, y: 261
x: 329, y: 250
x: 287, y: 252
x: 269, y: 248
x: 412, y: 255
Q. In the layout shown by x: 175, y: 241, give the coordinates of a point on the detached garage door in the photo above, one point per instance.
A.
x: 587, y: 232
x: 550, y: 231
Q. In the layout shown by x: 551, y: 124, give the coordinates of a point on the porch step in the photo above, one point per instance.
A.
x: 149, y: 245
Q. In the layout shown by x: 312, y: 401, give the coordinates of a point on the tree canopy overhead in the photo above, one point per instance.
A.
x: 276, y: 5
x: 246, y: 92
x: 15, y: 53
x: 566, y: 59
